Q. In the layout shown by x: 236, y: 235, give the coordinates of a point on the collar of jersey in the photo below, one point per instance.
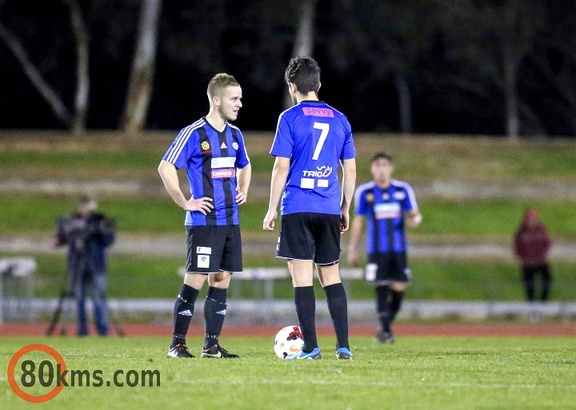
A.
x: 211, y: 126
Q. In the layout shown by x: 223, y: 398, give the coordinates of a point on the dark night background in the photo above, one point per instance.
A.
x: 448, y: 52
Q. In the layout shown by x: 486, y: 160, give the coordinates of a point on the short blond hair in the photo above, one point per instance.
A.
x: 219, y: 82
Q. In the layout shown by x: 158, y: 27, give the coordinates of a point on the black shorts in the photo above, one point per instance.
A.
x: 310, y: 236
x: 387, y: 268
x: 212, y: 249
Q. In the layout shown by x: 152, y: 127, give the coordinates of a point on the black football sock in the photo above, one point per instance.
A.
x: 306, y: 310
x: 396, y: 304
x: 383, y: 307
x: 546, y: 285
x: 183, y: 311
x: 338, y: 308
x: 214, y: 314
x: 530, y: 290
x: 545, y: 292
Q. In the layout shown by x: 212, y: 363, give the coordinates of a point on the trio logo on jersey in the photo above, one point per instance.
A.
x: 205, y: 145
x: 223, y: 145
x: 321, y: 172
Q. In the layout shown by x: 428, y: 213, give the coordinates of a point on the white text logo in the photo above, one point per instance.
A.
x: 321, y: 172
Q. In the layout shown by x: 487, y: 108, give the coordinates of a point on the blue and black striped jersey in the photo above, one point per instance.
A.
x: 384, y: 211
x: 210, y: 158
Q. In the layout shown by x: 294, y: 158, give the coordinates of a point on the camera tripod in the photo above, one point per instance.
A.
x: 67, y: 296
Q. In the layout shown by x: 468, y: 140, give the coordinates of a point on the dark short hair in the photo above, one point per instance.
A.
x: 84, y: 200
x: 220, y: 81
x: 381, y: 155
x: 304, y: 73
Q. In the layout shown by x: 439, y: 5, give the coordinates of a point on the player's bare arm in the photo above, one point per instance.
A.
x: 169, y: 175
x: 414, y: 218
x: 355, y: 233
x: 277, y: 183
x: 244, y: 175
x: 348, y: 185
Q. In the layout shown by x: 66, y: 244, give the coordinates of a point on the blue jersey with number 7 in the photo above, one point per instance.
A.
x: 315, y: 137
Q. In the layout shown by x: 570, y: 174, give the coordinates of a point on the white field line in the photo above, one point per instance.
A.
x: 383, y: 384
x: 391, y: 384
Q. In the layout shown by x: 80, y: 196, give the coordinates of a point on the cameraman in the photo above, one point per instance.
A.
x: 87, y: 234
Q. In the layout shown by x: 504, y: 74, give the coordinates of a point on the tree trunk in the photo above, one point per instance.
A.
x: 566, y: 104
x: 404, y: 103
x: 35, y: 76
x: 511, y: 98
x: 143, y: 66
x: 304, y: 42
x: 532, y: 122
x: 82, y: 64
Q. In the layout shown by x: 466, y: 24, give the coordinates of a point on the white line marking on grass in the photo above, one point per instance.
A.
x: 392, y: 384
x: 384, y: 384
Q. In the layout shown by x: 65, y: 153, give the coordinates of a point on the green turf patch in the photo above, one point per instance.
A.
x: 40, y: 155
x: 468, y: 221
x: 416, y: 372
x: 434, y: 279
x: 60, y: 158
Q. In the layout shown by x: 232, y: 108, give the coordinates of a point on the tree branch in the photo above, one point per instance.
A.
x: 82, y: 64
x: 34, y: 75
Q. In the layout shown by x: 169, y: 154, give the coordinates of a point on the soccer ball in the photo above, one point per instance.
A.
x: 288, y: 342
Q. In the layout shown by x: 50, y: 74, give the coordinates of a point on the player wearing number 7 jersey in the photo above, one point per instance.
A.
x: 312, y: 141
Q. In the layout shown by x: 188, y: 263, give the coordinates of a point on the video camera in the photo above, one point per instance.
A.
x: 78, y: 229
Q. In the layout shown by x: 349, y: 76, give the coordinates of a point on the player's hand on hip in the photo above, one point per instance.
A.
x: 202, y: 205
x: 270, y: 221
x: 344, y: 222
x: 241, y: 197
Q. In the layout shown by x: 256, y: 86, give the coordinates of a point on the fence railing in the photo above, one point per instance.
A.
x: 268, y: 276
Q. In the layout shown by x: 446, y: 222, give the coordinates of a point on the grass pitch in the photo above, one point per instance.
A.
x: 416, y: 372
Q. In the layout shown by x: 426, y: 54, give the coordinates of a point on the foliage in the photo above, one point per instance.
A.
x: 443, y: 64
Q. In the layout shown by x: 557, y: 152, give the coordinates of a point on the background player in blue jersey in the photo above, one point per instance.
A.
x: 218, y: 168
x: 386, y: 205
x: 312, y: 140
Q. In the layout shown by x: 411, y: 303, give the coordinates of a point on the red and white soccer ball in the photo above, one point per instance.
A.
x: 288, y: 342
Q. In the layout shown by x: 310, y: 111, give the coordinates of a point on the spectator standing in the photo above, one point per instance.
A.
x: 532, y: 244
